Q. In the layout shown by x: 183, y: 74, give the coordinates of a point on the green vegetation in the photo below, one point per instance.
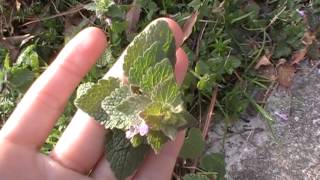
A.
x: 228, y: 41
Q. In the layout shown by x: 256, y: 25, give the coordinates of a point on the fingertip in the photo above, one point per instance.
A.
x: 92, y: 37
x: 181, y: 66
x: 96, y: 33
x: 176, y: 29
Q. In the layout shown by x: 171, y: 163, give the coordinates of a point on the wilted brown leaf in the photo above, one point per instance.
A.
x: 263, y: 61
x: 188, y: 25
x: 308, y: 38
x: 268, y: 72
x: 286, y: 73
x: 299, y: 55
x: 280, y: 62
x: 132, y: 18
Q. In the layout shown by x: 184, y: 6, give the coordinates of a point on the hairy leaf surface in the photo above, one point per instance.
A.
x: 156, y: 139
x: 143, y: 63
x: 124, y: 158
x: 133, y: 104
x: 117, y: 118
x: 157, y: 74
x: 157, y: 31
x: 90, y: 96
x: 167, y: 92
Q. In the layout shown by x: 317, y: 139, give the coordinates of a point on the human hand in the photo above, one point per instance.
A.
x: 80, y: 149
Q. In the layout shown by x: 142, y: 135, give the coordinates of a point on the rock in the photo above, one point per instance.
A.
x: 252, y: 153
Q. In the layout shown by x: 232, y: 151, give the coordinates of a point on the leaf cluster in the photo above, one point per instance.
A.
x: 148, y: 110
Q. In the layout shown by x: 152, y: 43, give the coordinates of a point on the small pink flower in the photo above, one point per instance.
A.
x: 301, y: 12
x: 131, y: 132
x: 141, y: 129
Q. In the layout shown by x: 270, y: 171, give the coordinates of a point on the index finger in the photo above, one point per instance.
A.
x: 36, y: 114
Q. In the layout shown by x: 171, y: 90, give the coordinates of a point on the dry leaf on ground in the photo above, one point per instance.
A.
x: 299, y: 55
x: 280, y: 62
x: 286, y: 73
x: 188, y: 25
x: 308, y: 38
x: 268, y: 72
x: 263, y: 61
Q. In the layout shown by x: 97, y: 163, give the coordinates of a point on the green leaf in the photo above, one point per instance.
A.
x: 142, y: 64
x: 214, y: 163
x: 231, y: 64
x: 119, y: 27
x: 133, y: 104
x: 115, y: 11
x: 193, y: 145
x: 6, y: 63
x: 156, y: 74
x: 167, y: 92
x: 157, y: 31
x: 156, y: 139
x: 136, y: 140
x: 124, y: 159
x: 29, y: 57
x: 164, y: 118
x: 3, y: 52
x: 169, y: 131
x: 195, y: 4
x: 153, y: 115
x: 118, y: 119
x: 90, y: 96
x: 207, y: 82
x: 202, y: 68
x: 195, y: 177
x: 106, y: 58
x: 21, y: 78
x: 83, y: 88
x: 282, y: 50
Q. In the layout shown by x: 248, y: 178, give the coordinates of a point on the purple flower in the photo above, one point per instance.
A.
x: 131, y: 132
x: 141, y: 129
x: 301, y: 12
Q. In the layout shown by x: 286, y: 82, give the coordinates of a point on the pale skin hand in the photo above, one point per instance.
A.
x: 80, y: 149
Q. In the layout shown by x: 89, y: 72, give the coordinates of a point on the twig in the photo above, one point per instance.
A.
x: 238, y: 76
x: 269, y: 90
x: 207, y: 123
x: 275, y: 17
x: 71, y: 11
x: 198, y: 42
x: 210, y: 113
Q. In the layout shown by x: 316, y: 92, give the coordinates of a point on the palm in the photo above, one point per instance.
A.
x: 19, y: 162
x: 80, y: 149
